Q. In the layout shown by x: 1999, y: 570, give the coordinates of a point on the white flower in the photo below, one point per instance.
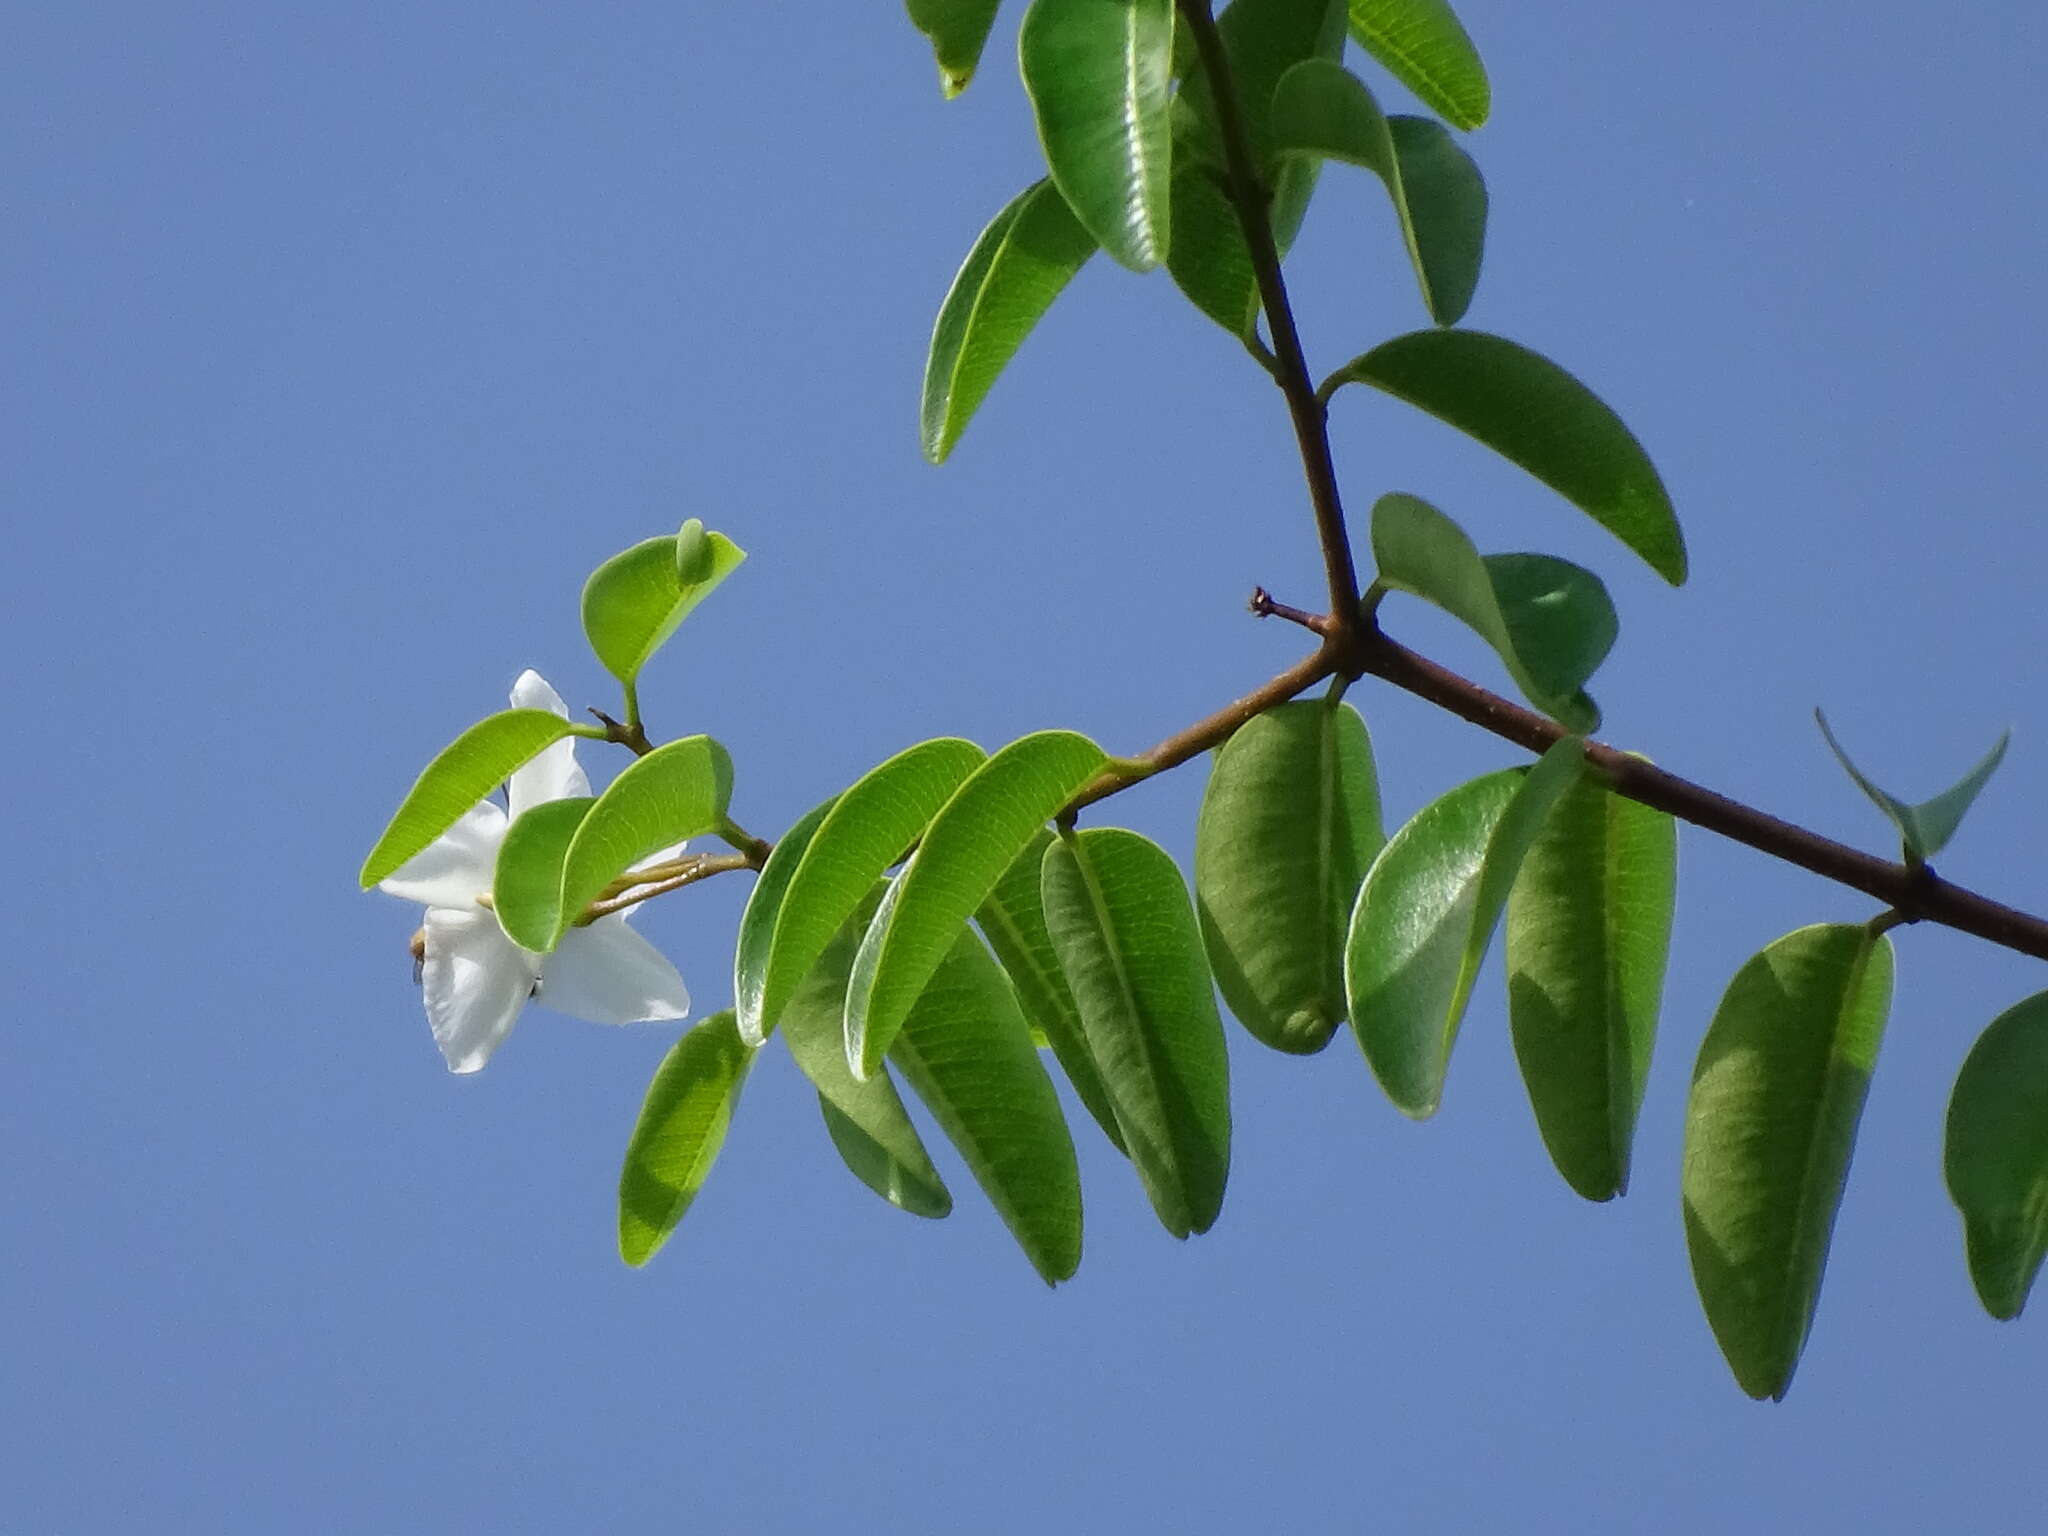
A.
x: 475, y: 978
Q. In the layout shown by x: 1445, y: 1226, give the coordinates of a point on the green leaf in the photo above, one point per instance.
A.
x: 866, y: 1120
x: 1422, y: 44
x: 1028, y: 253
x: 1439, y: 197
x: 958, y: 30
x: 1210, y: 261
x: 468, y: 768
x: 635, y: 600
x: 1550, y: 622
x: 1769, y: 1130
x: 757, y: 923
x: 966, y: 1051
x: 676, y: 792
x: 1427, y: 912
x: 1128, y: 943
x: 867, y: 829
x: 964, y: 852
x: 1533, y: 413
x: 1997, y: 1155
x: 1588, y: 930
x: 526, y: 888
x: 1290, y: 821
x: 1099, y: 74
x: 696, y: 555
x: 1927, y: 827
x: 1013, y: 921
x: 682, y: 1125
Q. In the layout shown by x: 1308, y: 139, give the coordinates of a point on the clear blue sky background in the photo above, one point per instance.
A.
x: 346, y: 340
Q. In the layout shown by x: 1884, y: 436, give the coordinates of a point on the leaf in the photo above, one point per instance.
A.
x: 635, y: 600
x: 676, y: 792
x: 1099, y: 74
x: 958, y: 30
x: 1422, y: 44
x: 526, y: 888
x: 1028, y: 253
x: 1426, y: 914
x: 1013, y: 921
x: 696, y: 555
x: 867, y: 830
x: 1210, y: 261
x: 682, y: 1125
x: 1128, y: 944
x: 757, y: 923
x: 1769, y: 1130
x: 1997, y: 1155
x: 1927, y: 827
x: 966, y: 1051
x: 866, y: 1120
x: 467, y: 769
x: 964, y: 852
x: 1533, y: 413
x: 1290, y: 821
x: 1439, y: 197
x: 1550, y: 622
x: 1588, y: 931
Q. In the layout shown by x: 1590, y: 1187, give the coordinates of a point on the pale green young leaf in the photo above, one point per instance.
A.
x: 958, y: 30
x: 1926, y: 828
x: 1996, y: 1158
x: 526, y: 886
x: 676, y: 792
x: 467, y: 769
x: 1422, y: 44
x: 1533, y: 413
x: 635, y: 600
x: 682, y: 1125
x: 1769, y: 1129
x: 757, y: 924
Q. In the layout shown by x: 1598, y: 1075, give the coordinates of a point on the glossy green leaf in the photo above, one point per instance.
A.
x: 1099, y: 76
x: 1013, y: 921
x: 1926, y: 828
x: 1128, y: 943
x: 1427, y: 912
x: 1997, y: 1155
x: 676, y: 792
x: 1028, y: 253
x: 526, y: 888
x: 635, y: 600
x: 982, y: 828
x: 757, y: 923
x: 1531, y: 412
x: 1439, y: 197
x: 1769, y: 1130
x: 682, y: 1125
x: 958, y: 30
x: 868, y: 828
x: 1210, y: 261
x: 1422, y: 44
x: 1290, y: 821
x: 1550, y: 622
x: 966, y: 1051
x: 1588, y: 929
x: 467, y: 769
x: 866, y: 1120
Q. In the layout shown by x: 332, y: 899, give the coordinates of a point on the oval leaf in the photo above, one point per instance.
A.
x: 526, y: 888
x: 676, y: 792
x: 1531, y: 412
x: 1926, y: 828
x: 964, y: 852
x: 1997, y: 1155
x: 1128, y: 944
x: 1588, y: 930
x: 1290, y: 821
x: 757, y: 923
x: 1422, y: 44
x: 1028, y: 253
x: 1099, y: 74
x: 1769, y: 1129
x: 966, y: 1051
x: 635, y: 600
x: 867, y: 829
x: 1426, y: 914
x: 1550, y: 622
x: 467, y: 769
x: 958, y: 30
x: 682, y: 1125
x: 1210, y: 261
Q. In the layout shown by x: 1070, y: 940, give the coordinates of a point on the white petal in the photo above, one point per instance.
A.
x: 532, y: 691
x: 458, y: 866
x: 554, y: 774
x: 608, y: 974
x: 476, y: 980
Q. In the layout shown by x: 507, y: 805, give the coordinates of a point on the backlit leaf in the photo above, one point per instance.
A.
x: 1926, y: 828
x: 1424, y: 46
x: 958, y: 30
x: 1997, y: 1155
x: 682, y: 1125
x: 526, y: 887
x: 635, y: 600
x: 757, y: 923
x: 676, y: 792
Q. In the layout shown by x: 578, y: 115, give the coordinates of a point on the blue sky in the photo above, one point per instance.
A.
x: 348, y: 341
